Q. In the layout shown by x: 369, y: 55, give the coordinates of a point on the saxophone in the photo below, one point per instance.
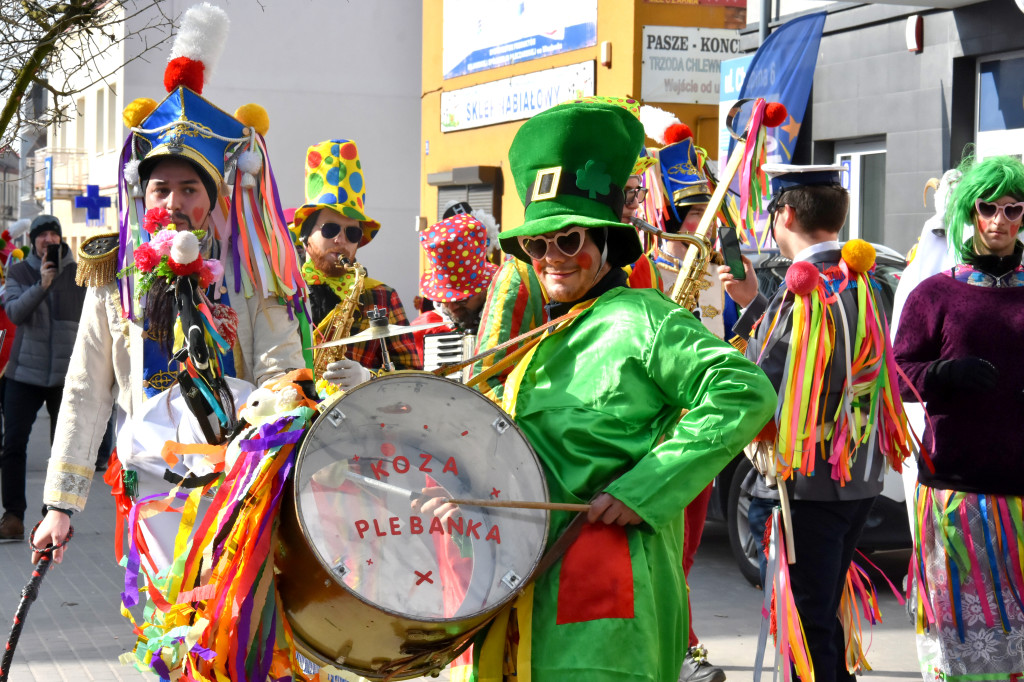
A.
x: 695, y: 262
x: 337, y: 324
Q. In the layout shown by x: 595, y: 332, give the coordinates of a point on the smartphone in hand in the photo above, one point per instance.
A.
x: 53, y: 254
x: 730, y: 244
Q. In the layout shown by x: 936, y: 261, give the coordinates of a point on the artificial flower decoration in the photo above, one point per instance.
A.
x: 171, y: 253
x: 155, y: 219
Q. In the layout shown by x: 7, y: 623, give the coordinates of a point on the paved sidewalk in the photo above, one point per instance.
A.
x: 74, y: 631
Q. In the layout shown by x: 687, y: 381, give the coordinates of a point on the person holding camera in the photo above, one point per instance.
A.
x: 43, y: 301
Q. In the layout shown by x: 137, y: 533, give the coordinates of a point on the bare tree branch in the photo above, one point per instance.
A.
x: 66, y: 47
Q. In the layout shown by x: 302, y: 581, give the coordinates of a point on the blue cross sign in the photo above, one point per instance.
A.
x: 92, y: 202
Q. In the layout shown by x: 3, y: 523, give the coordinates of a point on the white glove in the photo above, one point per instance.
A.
x: 346, y: 373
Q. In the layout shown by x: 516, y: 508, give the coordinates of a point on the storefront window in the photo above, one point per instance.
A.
x: 1000, y: 114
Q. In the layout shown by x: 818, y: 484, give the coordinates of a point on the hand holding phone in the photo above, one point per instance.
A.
x: 51, y: 265
x: 731, y: 251
x: 53, y: 254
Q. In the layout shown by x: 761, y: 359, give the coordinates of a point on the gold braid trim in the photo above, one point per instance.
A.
x: 68, y: 484
x: 97, y: 260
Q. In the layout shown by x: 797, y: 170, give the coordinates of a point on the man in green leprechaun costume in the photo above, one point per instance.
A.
x: 599, y: 398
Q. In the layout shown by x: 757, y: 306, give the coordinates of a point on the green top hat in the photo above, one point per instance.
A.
x: 570, y: 164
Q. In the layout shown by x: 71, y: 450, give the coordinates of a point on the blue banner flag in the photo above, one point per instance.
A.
x: 782, y: 71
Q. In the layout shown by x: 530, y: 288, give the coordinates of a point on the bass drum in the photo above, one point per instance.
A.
x: 370, y: 582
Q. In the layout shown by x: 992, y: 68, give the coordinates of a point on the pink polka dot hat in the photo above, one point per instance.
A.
x: 457, y: 250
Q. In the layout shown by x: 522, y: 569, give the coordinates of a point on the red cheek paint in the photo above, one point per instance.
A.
x: 537, y: 266
x: 584, y: 260
x: 197, y: 216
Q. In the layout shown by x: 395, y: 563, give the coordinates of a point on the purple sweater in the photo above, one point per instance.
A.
x: 979, y: 439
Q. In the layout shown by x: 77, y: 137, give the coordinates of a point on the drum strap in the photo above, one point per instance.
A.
x: 508, y: 360
x: 559, y: 546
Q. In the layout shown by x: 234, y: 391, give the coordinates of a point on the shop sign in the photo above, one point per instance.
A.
x: 682, y: 64
x: 515, y: 98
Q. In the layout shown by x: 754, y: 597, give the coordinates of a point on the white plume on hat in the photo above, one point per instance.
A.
x: 201, y: 38
x: 490, y: 223
x: 656, y: 121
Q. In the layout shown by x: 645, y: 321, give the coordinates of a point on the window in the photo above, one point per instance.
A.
x: 113, y: 131
x: 101, y: 120
x: 480, y: 197
x: 80, y: 123
x: 864, y: 178
x: 1000, y: 116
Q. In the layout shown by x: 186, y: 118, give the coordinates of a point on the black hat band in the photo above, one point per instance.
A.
x: 552, y: 183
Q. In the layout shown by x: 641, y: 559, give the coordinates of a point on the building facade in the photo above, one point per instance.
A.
x: 319, y: 68
x: 487, y: 67
x: 901, y: 93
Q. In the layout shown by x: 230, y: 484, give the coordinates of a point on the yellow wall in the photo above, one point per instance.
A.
x: 620, y: 22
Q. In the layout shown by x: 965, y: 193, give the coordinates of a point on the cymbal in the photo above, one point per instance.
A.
x: 382, y: 332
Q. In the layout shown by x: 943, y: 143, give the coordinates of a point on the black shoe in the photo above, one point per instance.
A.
x: 11, y: 528
x: 696, y: 667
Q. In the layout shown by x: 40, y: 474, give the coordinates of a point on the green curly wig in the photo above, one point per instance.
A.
x: 987, y: 180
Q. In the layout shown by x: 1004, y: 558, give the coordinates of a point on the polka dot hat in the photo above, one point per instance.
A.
x: 457, y: 250
x: 334, y: 179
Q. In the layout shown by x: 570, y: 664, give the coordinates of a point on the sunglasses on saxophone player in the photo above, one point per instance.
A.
x: 569, y: 242
x: 353, y: 233
x: 989, y: 210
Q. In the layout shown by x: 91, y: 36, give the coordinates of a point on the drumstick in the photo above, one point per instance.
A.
x: 523, y: 504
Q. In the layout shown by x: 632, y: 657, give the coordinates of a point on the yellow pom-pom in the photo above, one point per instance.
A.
x: 859, y: 255
x: 138, y: 111
x: 254, y: 116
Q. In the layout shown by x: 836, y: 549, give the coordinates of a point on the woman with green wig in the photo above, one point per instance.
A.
x: 959, y: 344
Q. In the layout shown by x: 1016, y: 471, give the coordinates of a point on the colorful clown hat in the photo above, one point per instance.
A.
x: 185, y: 124
x: 683, y: 173
x: 334, y: 179
x: 457, y: 250
x: 181, y: 125
x: 229, y: 154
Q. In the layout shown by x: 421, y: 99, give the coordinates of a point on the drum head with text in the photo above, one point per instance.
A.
x: 371, y: 485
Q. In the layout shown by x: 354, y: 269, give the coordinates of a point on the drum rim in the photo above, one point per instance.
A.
x: 497, y: 605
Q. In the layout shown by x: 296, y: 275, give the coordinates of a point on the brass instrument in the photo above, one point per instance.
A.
x: 695, y: 262
x: 338, y: 323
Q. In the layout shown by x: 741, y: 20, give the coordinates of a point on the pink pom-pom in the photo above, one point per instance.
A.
x: 802, y: 278
x: 161, y: 242
x: 677, y: 132
x: 774, y: 114
x: 184, y: 71
x: 205, y: 276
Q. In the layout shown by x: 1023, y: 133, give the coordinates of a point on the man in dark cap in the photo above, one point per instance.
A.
x: 43, y: 301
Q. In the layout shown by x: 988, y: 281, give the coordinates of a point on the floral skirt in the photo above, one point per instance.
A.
x: 968, y: 567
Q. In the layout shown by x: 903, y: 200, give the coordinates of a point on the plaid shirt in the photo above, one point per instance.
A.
x: 402, y: 348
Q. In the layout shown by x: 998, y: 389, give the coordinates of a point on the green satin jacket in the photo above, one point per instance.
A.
x: 600, y: 402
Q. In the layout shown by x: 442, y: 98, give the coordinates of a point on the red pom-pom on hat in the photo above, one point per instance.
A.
x: 184, y: 71
x: 802, y: 278
x: 774, y: 114
x: 677, y: 132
